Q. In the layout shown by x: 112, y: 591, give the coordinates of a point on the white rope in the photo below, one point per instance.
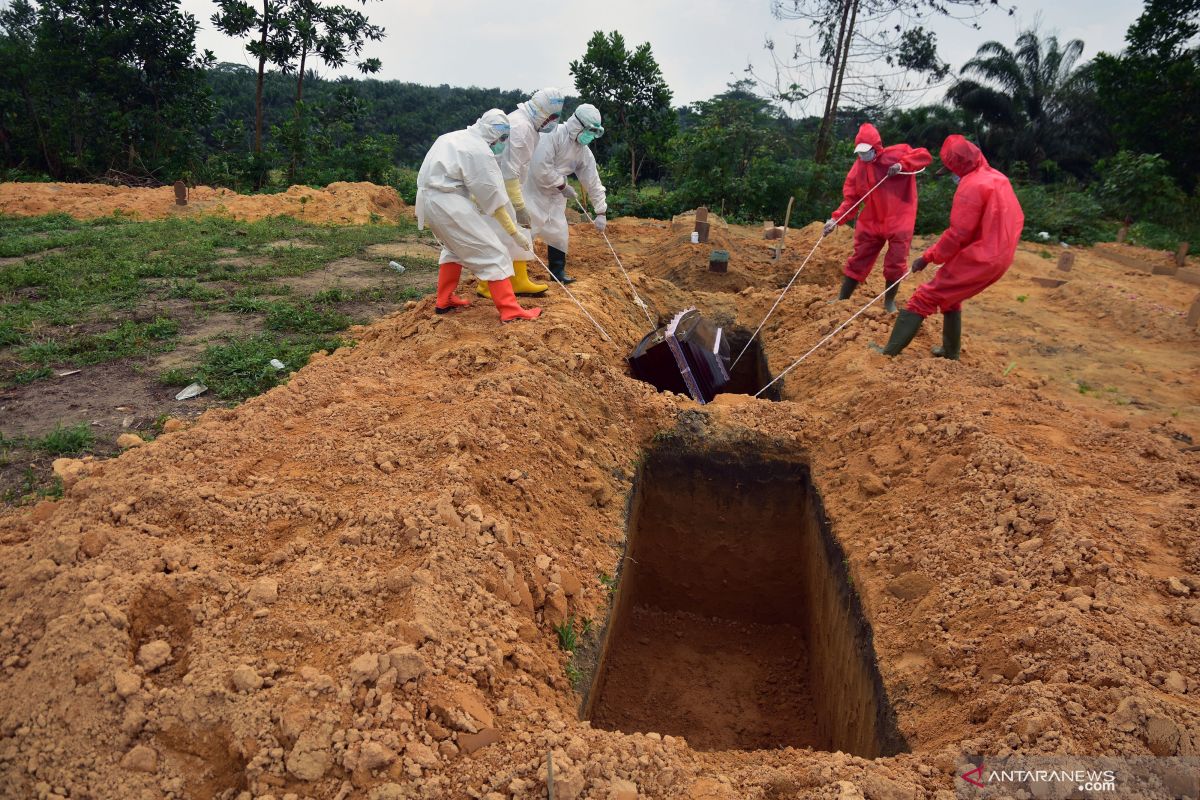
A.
x: 636, y: 299
x: 810, y: 255
x: 599, y: 327
x: 834, y: 332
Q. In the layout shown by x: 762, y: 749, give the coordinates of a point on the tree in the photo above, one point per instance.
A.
x: 100, y: 86
x: 237, y: 18
x: 872, y: 53
x: 1024, y: 98
x: 1150, y: 94
x: 631, y: 94
x: 735, y: 152
x: 333, y: 34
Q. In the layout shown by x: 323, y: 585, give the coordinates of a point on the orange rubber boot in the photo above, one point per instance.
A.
x: 506, y: 302
x: 448, y: 275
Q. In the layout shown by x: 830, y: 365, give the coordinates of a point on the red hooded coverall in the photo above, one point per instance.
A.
x: 985, y: 225
x: 889, y: 214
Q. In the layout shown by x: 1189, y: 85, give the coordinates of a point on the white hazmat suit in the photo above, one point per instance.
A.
x: 459, y: 188
x: 558, y: 155
x: 525, y: 125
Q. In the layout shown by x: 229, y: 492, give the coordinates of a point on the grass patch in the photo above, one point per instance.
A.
x: 190, y: 290
x: 305, y: 318
x: 127, y: 339
x: 568, y: 637
x: 26, y: 376
x: 241, y: 368
x: 64, y: 441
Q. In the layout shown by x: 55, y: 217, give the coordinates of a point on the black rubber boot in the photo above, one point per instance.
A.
x: 951, y: 336
x: 557, y: 261
x: 848, y: 287
x: 889, y: 299
x: 907, y: 325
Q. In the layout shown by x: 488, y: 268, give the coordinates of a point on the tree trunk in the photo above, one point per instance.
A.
x: 836, y: 76
x: 632, y: 166
x: 296, y: 105
x: 258, y: 91
x: 825, y: 132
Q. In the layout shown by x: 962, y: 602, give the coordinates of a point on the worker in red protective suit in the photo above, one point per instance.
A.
x: 887, y: 216
x: 975, y: 251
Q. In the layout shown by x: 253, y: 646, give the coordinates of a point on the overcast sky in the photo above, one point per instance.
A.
x: 701, y: 45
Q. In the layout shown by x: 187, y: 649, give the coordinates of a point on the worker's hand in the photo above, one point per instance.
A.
x: 523, y: 216
x: 519, y: 236
x: 919, y: 264
x: 600, y: 222
x: 894, y: 169
x: 568, y: 191
x: 829, y: 226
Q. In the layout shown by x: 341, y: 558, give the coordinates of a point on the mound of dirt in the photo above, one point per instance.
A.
x: 358, y: 584
x: 751, y: 258
x: 344, y: 203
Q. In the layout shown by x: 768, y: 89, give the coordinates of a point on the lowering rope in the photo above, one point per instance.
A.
x: 599, y: 327
x: 820, y: 239
x: 834, y: 332
x: 636, y: 299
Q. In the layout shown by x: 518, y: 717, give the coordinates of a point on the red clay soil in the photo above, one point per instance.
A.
x: 348, y: 587
x: 341, y: 203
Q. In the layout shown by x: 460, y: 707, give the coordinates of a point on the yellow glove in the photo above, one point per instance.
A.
x: 501, y: 216
x: 513, y: 187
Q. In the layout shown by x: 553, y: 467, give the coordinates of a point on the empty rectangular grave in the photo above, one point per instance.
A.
x: 735, y: 624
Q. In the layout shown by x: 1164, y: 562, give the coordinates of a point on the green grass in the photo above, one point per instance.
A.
x: 1021, y: 298
x: 305, y: 318
x: 102, y: 267
x: 568, y: 637
x: 240, y: 367
x: 127, y: 339
x: 66, y: 441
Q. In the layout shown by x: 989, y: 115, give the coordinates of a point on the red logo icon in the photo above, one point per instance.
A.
x: 977, y: 772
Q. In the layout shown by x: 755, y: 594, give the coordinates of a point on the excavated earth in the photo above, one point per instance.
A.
x: 349, y: 586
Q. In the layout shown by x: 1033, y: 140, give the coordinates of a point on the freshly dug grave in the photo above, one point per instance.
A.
x: 341, y: 203
x: 349, y: 586
x: 735, y: 625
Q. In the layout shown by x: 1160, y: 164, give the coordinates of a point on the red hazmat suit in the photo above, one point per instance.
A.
x: 889, y: 214
x: 985, y: 226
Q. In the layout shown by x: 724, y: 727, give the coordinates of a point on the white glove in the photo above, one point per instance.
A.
x: 600, y: 222
x: 523, y: 216
x: 568, y: 191
x: 522, y: 239
x: 829, y: 226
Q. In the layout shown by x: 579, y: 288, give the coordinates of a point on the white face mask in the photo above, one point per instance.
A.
x: 867, y: 155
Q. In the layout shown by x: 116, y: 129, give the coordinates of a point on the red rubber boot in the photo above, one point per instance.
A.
x: 448, y: 275
x: 506, y: 302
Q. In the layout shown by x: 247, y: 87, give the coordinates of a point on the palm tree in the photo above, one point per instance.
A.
x: 1025, y: 98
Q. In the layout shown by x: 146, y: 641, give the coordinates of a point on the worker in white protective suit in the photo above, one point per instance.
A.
x: 458, y: 188
x: 559, y: 154
x: 537, y: 115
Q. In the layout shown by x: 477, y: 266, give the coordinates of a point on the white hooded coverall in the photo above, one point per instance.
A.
x: 458, y: 167
x: 514, y: 163
x: 558, y: 155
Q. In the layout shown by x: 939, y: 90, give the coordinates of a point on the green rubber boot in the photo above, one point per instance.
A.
x: 907, y: 325
x: 951, y: 336
x: 848, y: 287
x: 889, y: 299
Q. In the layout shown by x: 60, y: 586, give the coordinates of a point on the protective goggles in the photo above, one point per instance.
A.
x: 592, y: 132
